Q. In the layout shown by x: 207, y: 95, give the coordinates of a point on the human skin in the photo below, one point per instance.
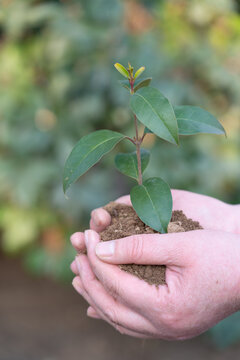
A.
x: 202, y: 272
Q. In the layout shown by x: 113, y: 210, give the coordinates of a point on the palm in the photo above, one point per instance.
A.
x: 211, y: 213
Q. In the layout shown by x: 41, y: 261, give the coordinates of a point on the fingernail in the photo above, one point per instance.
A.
x: 105, y: 249
x: 86, y: 237
x: 89, y: 235
x: 96, y: 218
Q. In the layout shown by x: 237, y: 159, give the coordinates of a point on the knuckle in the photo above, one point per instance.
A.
x: 136, y: 247
x: 113, y: 288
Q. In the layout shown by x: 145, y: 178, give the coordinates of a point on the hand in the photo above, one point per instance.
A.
x: 202, y: 282
x: 211, y: 214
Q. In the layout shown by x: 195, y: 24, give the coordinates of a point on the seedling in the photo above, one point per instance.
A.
x: 151, y: 198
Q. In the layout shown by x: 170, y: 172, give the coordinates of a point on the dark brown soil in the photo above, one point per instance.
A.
x: 125, y: 222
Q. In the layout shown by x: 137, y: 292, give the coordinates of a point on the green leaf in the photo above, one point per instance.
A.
x: 138, y: 83
x: 127, y: 163
x: 142, y: 83
x: 152, y: 202
x: 123, y: 71
x: 155, y: 112
x: 87, y: 152
x: 194, y: 120
x: 125, y: 84
x: 139, y: 72
x: 147, y: 131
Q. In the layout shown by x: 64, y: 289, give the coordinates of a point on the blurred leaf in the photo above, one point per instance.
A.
x: 125, y: 84
x: 139, y: 72
x: 147, y: 131
x: 123, y: 71
x: 152, y: 201
x: 155, y: 112
x: 127, y: 163
x: 20, y: 228
x: 227, y: 331
x: 137, y: 84
x: 87, y: 152
x: 194, y: 120
x: 143, y: 83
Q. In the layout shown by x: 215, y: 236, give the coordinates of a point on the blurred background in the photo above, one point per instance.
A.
x: 58, y: 83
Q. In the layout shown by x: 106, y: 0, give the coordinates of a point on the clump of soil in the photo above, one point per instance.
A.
x: 125, y: 222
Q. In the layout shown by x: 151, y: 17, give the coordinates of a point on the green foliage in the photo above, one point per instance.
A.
x: 127, y: 163
x: 194, y: 120
x: 57, y: 84
x: 226, y: 332
x: 122, y: 70
x: 87, y: 152
x: 155, y: 111
x: 138, y: 84
x: 139, y: 72
x: 141, y: 83
x: 152, y: 202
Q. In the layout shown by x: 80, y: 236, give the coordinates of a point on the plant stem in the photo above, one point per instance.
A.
x: 138, y: 148
x: 137, y: 140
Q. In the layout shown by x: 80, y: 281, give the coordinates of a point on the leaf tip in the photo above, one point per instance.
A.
x: 122, y: 70
x: 139, y: 72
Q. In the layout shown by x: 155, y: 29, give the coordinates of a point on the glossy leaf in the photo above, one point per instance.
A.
x: 139, y: 84
x: 194, y: 120
x: 152, y: 202
x: 155, y: 112
x: 139, y: 72
x: 123, y: 71
x: 127, y: 163
x: 87, y: 152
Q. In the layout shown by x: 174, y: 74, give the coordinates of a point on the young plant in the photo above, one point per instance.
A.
x: 151, y: 198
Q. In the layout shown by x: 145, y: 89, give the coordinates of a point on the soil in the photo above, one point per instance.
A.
x: 125, y: 222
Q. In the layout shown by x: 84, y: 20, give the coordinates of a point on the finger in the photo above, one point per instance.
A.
x: 79, y: 287
x: 77, y: 240
x: 74, y: 268
x: 126, y: 288
x: 149, y: 249
x: 100, y: 219
x: 110, y: 309
x: 91, y: 312
x: 135, y: 334
x: 124, y: 200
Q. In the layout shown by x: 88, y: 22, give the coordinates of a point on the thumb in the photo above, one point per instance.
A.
x: 148, y: 249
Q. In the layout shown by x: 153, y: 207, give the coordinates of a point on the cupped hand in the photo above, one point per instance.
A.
x: 211, y: 214
x: 202, y: 282
x: 190, y: 277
